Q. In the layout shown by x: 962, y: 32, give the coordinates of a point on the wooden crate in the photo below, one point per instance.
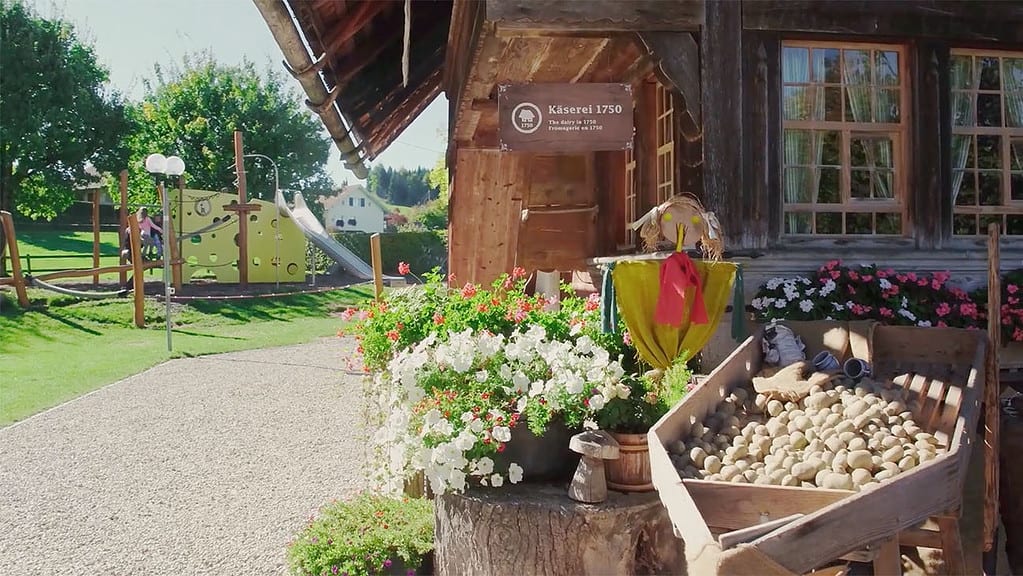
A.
x: 942, y: 367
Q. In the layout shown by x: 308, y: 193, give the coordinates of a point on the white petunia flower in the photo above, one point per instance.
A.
x: 596, y: 402
x: 514, y: 473
x: 501, y: 433
x: 457, y: 480
x: 907, y: 315
x: 496, y: 481
x: 884, y: 283
x: 482, y: 376
x: 467, y: 417
x: 465, y: 441
x: 774, y: 283
x: 780, y: 303
x: 589, y: 425
x: 432, y: 417
x: 806, y: 305
x: 484, y: 466
x: 924, y: 323
x: 757, y: 303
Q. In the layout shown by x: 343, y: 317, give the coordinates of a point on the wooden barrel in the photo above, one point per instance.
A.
x: 631, y: 471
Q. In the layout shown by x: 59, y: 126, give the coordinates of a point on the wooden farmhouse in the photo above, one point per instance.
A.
x: 868, y: 131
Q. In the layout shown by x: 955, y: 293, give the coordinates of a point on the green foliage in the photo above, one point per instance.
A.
x: 651, y: 396
x: 57, y: 113
x: 366, y: 535
x: 427, y: 249
x: 193, y: 112
x: 1012, y: 305
x: 402, y: 187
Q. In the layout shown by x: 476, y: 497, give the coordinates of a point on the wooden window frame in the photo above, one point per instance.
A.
x: 631, y: 198
x: 900, y: 134
x: 666, y: 156
x: 1008, y: 207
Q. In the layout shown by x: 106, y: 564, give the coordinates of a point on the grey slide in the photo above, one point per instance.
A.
x: 314, y: 231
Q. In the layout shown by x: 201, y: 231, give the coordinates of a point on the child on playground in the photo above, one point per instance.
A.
x: 147, y: 227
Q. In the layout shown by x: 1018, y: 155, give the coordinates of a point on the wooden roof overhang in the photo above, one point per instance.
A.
x: 354, y: 65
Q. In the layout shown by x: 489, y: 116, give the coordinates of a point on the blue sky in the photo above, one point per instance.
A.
x: 130, y: 36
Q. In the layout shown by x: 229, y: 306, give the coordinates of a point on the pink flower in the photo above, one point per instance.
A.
x: 1012, y: 288
x: 911, y: 276
x: 404, y: 268
x: 935, y: 285
x: 392, y: 335
x: 941, y: 324
x: 968, y: 310
x: 438, y: 318
x: 886, y: 312
x: 1018, y: 335
x: 921, y: 282
x: 627, y: 338
x: 348, y: 314
x: 592, y: 302
x: 853, y: 275
x: 943, y: 309
x: 867, y: 278
x: 835, y: 274
x: 469, y: 290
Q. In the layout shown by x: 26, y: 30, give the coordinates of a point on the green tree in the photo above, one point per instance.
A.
x: 193, y: 112
x: 58, y: 115
x: 435, y: 214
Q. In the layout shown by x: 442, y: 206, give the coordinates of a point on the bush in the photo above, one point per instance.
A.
x: 1012, y: 305
x: 427, y: 249
x: 369, y: 534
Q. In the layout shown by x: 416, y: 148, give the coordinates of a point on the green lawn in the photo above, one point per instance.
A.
x: 44, y: 251
x: 62, y: 347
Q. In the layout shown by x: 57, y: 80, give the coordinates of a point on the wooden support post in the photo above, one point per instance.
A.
x: 952, y: 545
x: 95, y: 236
x: 243, y: 221
x: 172, y: 257
x: 123, y: 224
x: 7, y: 220
x: 137, y: 271
x: 992, y: 406
x: 378, y: 265
x: 889, y: 559
x: 177, y: 245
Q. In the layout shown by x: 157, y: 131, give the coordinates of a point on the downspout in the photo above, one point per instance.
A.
x: 297, y: 59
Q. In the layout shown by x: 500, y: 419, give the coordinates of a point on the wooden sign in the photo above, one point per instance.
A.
x: 565, y: 117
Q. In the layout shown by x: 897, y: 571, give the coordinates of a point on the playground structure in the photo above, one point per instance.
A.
x: 200, y: 228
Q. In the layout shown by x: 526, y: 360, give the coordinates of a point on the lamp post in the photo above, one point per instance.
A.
x: 277, y: 230
x: 159, y: 165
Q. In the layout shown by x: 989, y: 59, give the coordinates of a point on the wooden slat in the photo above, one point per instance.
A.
x: 595, y: 15
x: 992, y: 390
x: 352, y: 22
x: 138, y: 280
x: 958, y: 20
x: 932, y: 418
x: 952, y: 546
x: 95, y: 235
x: 122, y: 229
x: 733, y: 506
x: 889, y: 560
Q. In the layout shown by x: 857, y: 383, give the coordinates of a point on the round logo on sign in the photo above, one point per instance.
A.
x: 526, y: 117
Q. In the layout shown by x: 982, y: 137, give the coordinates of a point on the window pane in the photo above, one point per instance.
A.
x: 989, y: 75
x: 830, y: 153
x: 1014, y: 224
x: 858, y: 224
x: 889, y: 223
x: 985, y: 220
x: 797, y: 147
x: 967, y: 190
x: 887, y: 105
x: 962, y: 72
x: 828, y: 186
x: 990, y: 188
x: 886, y: 71
x: 857, y: 66
x: 857, y: 104
x: 859, y: 184
x: 1014, y: 109
x: 833, y: 104
x: 826, y: 65
x: 871, y: 152
x: 989, y: 110
x: 829, y: 223
x: 798, y: 223
x: 798, y: 185
x: 795, y: 65
x: 989, y: 151
x: 799, y: 103
x: 1016, y: 155
x: 964, y: 224
x: 1017, y: 186
x: 962, y: 152
x: 964, y: 108
x: 884, y: 184
x: 1012, y: 80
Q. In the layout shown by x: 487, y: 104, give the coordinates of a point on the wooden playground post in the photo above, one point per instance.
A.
x: 378, y: 266
x: 992, y: 404
x: 95, y: 236
x: 122, y: 225
x: 242, y: 208
x: 137, y: 271
x: 168, y: 229
x: 7, y: 221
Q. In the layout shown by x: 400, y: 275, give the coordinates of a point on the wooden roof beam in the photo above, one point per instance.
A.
x: 530, y: 17
x: 678, y: 64
x: 352, y: 23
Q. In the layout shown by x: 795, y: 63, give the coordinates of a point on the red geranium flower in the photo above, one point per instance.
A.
x: 404, y: 268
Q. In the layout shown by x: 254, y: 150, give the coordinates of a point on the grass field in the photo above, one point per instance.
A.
x: 44, y: 251
x: 62, y: 348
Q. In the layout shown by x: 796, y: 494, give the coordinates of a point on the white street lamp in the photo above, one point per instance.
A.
x: 160, y: 165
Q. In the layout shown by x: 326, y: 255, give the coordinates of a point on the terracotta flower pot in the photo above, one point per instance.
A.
x: 631, y: 471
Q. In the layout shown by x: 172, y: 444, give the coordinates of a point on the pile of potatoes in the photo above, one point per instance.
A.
x: 843, y: 435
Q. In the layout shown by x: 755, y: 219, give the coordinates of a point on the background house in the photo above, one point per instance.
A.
x: 353, y: 209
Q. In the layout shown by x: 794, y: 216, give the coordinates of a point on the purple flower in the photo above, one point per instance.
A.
x: 333, y: 569
x: 387, y: 563
x: 411, y: 573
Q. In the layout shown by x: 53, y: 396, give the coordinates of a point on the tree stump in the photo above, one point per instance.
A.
x: 538, y: 529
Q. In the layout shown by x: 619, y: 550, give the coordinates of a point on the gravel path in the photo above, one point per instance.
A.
x: 197, y: 466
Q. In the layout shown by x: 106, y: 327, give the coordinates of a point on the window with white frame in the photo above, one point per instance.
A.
x: 987, y: 141
x: 844, y: 132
